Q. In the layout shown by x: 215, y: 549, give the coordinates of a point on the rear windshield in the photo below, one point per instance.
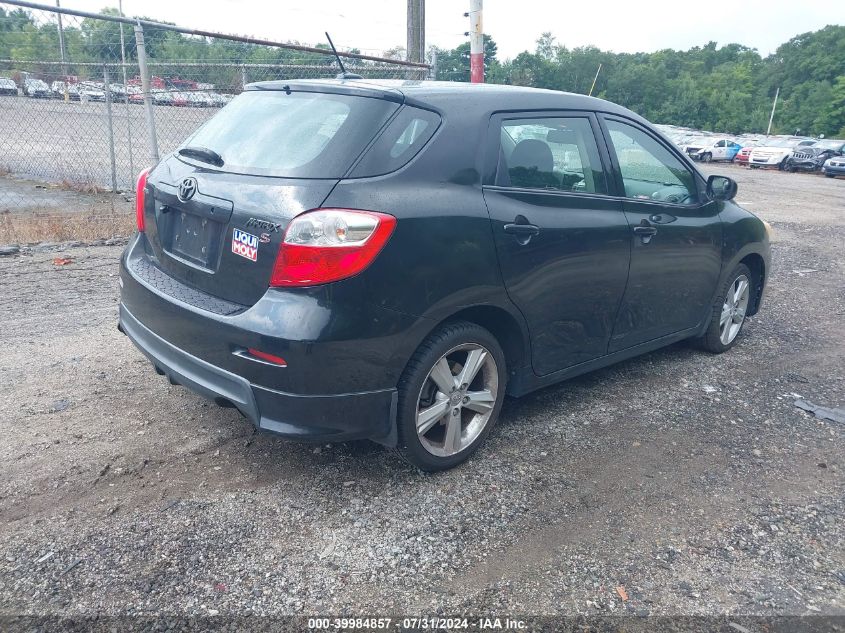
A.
x: 296, y: 135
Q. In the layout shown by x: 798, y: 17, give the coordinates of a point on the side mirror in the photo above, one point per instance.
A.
x: 721, y: 188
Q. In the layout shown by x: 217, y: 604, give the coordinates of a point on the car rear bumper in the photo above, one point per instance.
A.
x: 336, y: 417
x: 343, y: 358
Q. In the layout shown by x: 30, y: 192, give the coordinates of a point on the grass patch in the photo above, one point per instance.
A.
x: 81, y: 187
x: 86, y: 227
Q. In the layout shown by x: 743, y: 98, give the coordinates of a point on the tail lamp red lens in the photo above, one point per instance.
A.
x: 327, y: 245
x: 140, y: 188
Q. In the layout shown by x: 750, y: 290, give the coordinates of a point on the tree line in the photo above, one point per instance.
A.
x: 728, y: 89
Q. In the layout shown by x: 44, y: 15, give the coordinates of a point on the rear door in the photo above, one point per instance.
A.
x: 218, y: 227
x: 563, y: 243
x: 675, y: 237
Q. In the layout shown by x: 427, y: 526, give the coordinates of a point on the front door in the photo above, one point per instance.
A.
x: 563, y: 243
x: 676, y: 238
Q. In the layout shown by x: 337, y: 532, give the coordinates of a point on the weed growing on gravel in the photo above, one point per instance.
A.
x: 37, y: 227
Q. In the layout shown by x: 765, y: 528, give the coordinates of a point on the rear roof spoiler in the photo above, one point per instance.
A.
x: 355, y: 88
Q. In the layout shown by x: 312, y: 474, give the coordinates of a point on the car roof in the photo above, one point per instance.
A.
x: 452, y: 94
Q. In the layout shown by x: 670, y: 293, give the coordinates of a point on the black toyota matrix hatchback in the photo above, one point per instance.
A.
x: 387, y: 260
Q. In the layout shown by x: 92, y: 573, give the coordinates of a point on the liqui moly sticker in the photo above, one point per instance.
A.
x: 245, y: 244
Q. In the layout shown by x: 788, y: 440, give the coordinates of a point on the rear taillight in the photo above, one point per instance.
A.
x: 140, y: 188
x: 327, y: 245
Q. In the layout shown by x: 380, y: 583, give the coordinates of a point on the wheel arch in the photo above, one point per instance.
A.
x: 506, y: 328
x: 757, y: 265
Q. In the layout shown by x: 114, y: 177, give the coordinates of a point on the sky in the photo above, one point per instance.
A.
x: 620, y: 26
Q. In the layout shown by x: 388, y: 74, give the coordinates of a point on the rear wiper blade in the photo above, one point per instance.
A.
x: 202, y: 153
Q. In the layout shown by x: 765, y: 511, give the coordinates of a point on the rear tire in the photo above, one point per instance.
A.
x: 729, y: 310
x: 450, y: 395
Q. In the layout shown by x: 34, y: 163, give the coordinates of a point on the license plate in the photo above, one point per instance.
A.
x: 193, y: 237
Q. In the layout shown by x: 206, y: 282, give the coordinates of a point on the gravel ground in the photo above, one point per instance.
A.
x: 689, y: 481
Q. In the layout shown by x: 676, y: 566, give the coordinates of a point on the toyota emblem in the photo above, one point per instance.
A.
x: 187, y: 189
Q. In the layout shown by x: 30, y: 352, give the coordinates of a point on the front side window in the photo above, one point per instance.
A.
x: 649, y: 170
x: 557, y: 153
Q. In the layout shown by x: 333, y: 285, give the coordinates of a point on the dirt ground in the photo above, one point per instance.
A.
x: 689, y: 481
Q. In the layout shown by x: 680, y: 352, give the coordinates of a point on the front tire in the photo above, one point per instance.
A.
x: 729, y: 312
x: 450, y: 396
x: 707, y: 158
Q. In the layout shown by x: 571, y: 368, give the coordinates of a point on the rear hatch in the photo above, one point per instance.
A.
x: 216, y: 210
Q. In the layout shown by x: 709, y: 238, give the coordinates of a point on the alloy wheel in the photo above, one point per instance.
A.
x: 734, y: 309
x: 457, y: 399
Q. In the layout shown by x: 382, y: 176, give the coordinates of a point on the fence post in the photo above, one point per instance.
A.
x: 107, y: 87
x: 244, y: 80
x: 145, y: 87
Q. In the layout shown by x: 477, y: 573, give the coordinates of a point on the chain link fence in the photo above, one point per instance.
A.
x: 87, y: 101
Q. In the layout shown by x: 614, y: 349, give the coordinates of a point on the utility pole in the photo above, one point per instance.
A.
x: 476, y: 42
x: 126, y: 98
x: 416, y: 31
x: 145, y: 87
x: 595, y: 79
x: 61, y: 35
x: 62, y: 51
x: 772, y: 116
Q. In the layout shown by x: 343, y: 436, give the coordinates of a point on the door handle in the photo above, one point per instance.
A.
x: 645, y: 231
x: 522, y: 230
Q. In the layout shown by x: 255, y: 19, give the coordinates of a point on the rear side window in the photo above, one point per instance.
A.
x: 297, y: 135
x: 557, y: 153
x: 406, y: 135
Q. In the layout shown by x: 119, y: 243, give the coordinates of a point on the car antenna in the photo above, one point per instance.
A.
x: 342, y: 74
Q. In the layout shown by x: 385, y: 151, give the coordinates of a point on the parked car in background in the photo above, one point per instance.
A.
x: 36, y: 88
x: 8, y: 86
x: 201, y: 99
x: 813, y: 157
x: 692, y: 142
x: 775, y: 152
x: 328, y: 258
x: 179, y: 99
x: 91, y: 91
x: 217, y: 100
x: 59, y: 88
x: 744, y: 154
x: 834, y: 167
x: 160, y: 97
x: 714, y: 149
x: 118, y: 91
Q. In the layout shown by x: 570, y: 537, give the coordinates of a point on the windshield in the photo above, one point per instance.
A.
x: 296, y: 134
